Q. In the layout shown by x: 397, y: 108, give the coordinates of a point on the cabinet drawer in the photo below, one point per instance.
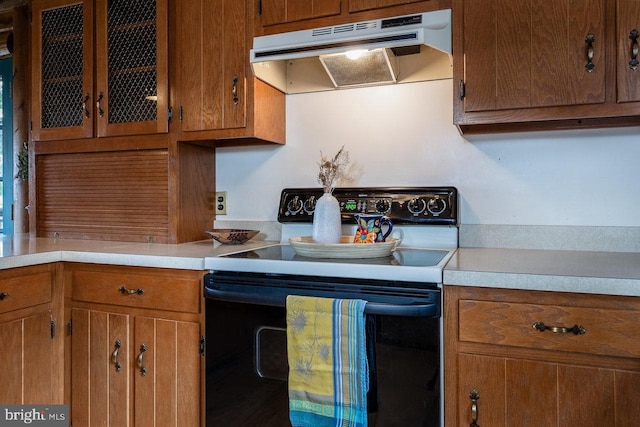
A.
x: 607, y: 331
x: 24, y: 291
x: 162, y: 292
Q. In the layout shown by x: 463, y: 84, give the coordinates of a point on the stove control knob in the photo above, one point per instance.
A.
x: 295, y: 205
x: 416, y: 206
x: 436, y: 205
x: 310, y: 204
x: 383, y: 206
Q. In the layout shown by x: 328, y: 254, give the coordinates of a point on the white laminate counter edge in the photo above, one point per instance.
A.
x: 540, y: 282
x: 608, y: 273
x: 22, y: 251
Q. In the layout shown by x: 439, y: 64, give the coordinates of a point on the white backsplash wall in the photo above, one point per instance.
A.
x: 403, y: 136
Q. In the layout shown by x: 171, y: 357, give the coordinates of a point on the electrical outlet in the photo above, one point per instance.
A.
x: 221, y: 203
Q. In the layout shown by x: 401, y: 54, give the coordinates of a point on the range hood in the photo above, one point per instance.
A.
x: 393, y: 50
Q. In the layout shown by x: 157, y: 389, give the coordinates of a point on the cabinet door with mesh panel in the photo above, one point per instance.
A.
x: 62, y: 70
x: 131, y: 67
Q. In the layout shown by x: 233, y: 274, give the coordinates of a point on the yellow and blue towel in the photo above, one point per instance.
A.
x: 328, y: 373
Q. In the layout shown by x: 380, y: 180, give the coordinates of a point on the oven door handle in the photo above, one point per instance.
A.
x: 403, y: 310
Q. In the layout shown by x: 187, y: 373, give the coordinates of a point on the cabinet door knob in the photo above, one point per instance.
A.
x: 3, y: 296
x: 633, y: 64
x: 575, y: 329
x: 589, y: 40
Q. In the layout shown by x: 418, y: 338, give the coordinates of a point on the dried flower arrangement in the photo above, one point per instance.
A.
x: 332, y: 170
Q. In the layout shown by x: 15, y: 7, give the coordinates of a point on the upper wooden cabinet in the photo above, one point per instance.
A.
x: 359, y: 5
x: 100, y: 80
x: 544, y: 65
x: 281, y: 11
x: 285, y: 11
x: 218, y: 96
x: 276, y: 16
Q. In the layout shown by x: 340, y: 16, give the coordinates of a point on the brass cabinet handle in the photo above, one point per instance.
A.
x: 85, y: 110
x: 114, y: 356
x: 575, y: 329
x: 143, y: 350
x: 474, y: 396
x: 99, y: 106
x: 633, y: 64
x: 126, y: 291
x: 234, y: 91
x: 589, y: 41
x: 3, y: 296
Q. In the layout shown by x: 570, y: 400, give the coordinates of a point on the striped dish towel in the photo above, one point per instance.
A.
x: 328, y: 373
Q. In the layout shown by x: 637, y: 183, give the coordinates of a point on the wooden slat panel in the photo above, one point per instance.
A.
x: 145, y: 393
x: 104, y: 195
x: 10, y: 357
x: 38, y: 360
x: 627, y: 398
x: 523, y: 404
x: 591, y: 386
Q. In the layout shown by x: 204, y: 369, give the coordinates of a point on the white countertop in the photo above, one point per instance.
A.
x: 615, y: 273
x: 21, y: 250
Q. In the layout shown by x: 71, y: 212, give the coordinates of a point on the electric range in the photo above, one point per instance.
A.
x: 245, y: 295
x: 425, y: 222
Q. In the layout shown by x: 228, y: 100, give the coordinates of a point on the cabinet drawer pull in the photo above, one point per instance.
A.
x: 589, y: 41
x: 143, y: 350
x: 114, y: 356
x: 633, y: 64
x: 575, y: 329
x: 3, y: 296
x: 474, y: 396
x: 126, y: 291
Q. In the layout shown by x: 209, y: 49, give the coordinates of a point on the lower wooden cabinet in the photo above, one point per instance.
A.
x: 135, y: 346
x: 134, y: 370
x: 501, y: 370
x: 29, y: 347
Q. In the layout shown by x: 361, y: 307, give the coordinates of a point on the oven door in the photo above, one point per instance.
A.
x: 246, y: 357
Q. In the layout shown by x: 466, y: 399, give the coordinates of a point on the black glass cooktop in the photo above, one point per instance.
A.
x: 409, y: 257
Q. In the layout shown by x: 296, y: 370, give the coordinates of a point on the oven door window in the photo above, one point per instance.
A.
x: 247, y: 368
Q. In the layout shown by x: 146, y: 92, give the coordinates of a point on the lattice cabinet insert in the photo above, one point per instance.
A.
x: 129, y: 44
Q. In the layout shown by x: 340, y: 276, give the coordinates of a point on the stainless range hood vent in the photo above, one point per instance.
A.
x: 385, y: 51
